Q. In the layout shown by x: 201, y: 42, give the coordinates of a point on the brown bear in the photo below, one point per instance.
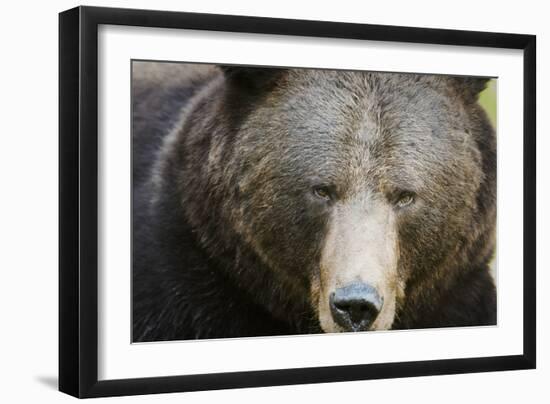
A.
x: 288, y: 201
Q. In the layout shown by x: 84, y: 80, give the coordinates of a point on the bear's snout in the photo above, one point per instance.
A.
x: 355, y: 307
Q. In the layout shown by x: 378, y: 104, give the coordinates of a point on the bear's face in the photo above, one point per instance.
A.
x: 350, y: 185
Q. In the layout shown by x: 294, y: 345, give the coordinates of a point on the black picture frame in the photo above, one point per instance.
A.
x: 78, y: 201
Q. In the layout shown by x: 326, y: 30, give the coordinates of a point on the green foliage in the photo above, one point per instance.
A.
x: 488, y: 100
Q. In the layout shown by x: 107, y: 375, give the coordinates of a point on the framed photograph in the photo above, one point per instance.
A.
x: 251, y: 201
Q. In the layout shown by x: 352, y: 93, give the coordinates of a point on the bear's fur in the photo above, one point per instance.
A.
x: 228, y: 240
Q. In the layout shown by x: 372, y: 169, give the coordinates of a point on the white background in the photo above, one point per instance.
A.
x: 28, y: 221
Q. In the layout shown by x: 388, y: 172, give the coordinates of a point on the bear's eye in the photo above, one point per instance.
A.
x: 404, y: 199
x: 323, y: 192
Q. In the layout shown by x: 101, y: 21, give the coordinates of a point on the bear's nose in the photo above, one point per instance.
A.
x: 355, y: 307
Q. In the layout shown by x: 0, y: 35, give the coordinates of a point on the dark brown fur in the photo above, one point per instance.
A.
x: 226, y: 241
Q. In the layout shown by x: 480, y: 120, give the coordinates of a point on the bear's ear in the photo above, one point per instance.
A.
x: 253, y: 79
x: 469, y: 87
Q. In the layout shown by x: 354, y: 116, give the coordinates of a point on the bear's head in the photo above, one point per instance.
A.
x: 364, y: 192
